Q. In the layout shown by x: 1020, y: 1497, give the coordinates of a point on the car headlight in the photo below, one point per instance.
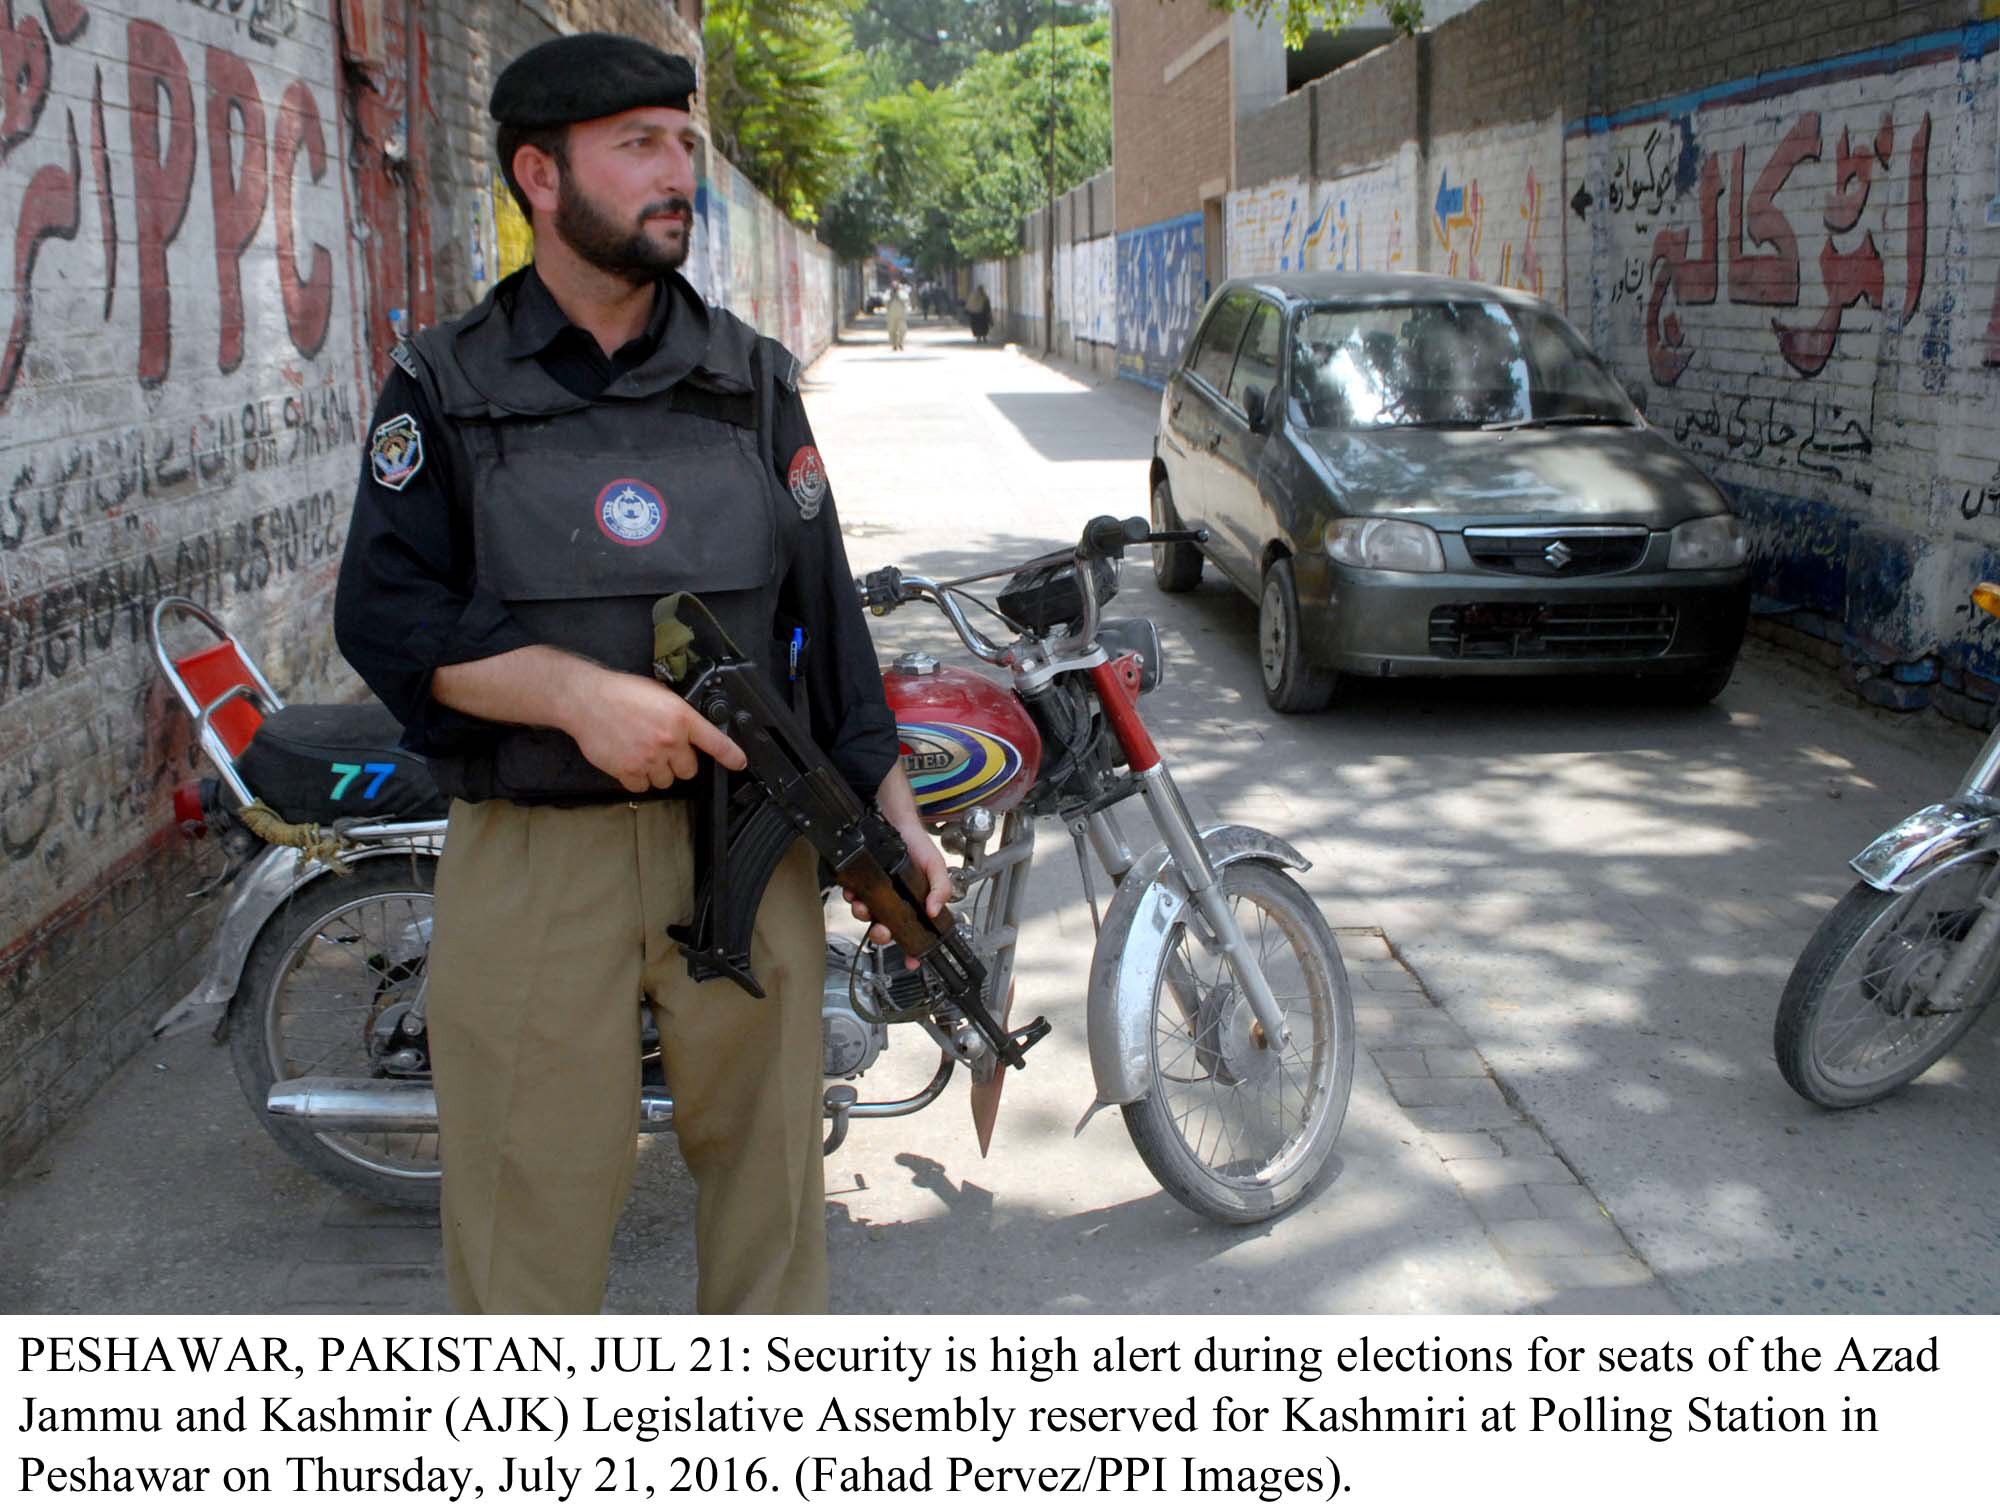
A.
x: 1711, y: 541
x: 1386, y: 545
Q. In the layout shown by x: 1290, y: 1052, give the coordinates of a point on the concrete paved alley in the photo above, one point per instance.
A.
x: 1566, y: 923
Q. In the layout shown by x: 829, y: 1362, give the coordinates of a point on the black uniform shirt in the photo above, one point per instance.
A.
x: 409, y: 602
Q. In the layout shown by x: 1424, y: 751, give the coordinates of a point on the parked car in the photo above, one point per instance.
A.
x: 1420, y: 476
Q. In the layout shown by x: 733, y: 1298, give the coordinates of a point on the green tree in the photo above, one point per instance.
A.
x: 1035, y: 122
x: 778, y: 73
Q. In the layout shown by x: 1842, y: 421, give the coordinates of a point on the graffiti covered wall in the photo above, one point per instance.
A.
x: 181, y: 393
x: 1161, y: 289
x: 1358, y: 221
x: 749, y: 258
x: 1806, y: 280
x: 1494, y: 207
x: 221, y: 215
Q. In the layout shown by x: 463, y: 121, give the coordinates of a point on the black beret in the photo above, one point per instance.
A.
x: 586, y: 76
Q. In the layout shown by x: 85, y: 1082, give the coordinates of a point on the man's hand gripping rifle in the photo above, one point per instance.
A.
x: 799, y: 793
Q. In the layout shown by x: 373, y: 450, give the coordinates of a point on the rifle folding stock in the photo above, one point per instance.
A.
x: 795, y: 791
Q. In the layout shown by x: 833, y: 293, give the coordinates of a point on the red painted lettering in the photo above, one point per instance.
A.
x: 308, y: 297
x: 67, y: 19
x: 161, y: 180
x: 24, y: 76
x: 1917, y: 224
x: 1691, y: 278
x: 1768, y: 278
x: 107, y: 212
x: 239, y: 200
x: 50, y: 208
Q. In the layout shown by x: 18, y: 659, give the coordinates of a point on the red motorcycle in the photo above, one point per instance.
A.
x: 1218, y: 1013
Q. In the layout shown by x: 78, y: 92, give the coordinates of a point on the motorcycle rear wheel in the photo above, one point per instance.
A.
x: 342, y: 952
x: 1850, y: 1026
x: 1232, y: 1127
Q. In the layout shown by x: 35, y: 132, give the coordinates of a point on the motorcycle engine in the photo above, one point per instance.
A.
x: 849, y: 1042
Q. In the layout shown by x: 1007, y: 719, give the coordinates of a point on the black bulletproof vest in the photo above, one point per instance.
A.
x: 586, y: 511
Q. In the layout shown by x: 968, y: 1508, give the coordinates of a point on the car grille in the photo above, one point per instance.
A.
x: 1502, y: 631
x: 1554, y: 552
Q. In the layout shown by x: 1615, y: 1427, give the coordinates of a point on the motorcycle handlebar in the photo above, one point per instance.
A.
x: 888, y: 588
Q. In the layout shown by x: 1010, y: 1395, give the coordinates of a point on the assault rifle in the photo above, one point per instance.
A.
x: 794, y: 792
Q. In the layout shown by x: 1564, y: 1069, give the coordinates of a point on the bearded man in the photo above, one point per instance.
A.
x: 591, y: 436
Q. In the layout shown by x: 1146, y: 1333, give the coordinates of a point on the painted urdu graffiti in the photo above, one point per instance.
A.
x: 1161, y: 289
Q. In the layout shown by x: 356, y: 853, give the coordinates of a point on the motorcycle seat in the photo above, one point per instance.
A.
x: 315, y: 763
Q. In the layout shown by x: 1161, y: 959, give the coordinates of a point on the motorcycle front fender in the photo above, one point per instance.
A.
x: 258, y: 892
x: 1125, y: 969
x: 1928, y: 841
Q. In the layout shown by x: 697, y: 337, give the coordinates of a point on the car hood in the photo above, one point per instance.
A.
x: 1454, y: 478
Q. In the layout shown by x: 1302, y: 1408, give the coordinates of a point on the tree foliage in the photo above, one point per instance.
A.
x: 777, y: 89
x: 1037, y: 122
x: 950, y: 169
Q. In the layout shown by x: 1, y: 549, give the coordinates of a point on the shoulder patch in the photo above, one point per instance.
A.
x: 806, y: 477
x: 396, y: 452
x: 404, y: 358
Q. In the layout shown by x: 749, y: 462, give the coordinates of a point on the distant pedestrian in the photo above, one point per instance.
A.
x: 979, y: 311
x: 899, y: 316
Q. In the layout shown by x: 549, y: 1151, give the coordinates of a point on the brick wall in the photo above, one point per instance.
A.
x: 1169, y: 137
x: 1653, y: 51
x: 1361, y: 114
x: 213, y: 231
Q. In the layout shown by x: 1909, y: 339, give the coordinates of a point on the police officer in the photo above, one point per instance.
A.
x: 591, y: 436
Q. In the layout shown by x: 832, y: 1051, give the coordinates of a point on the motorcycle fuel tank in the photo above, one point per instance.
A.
x: 965, y: 740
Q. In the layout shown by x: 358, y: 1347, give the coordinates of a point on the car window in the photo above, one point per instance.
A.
x: 1257, y: 360
x: 1448, y: 362
x: 1218, y: 340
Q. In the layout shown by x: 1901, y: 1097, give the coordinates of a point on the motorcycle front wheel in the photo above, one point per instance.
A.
x: 328, y: 990
x: 1855, y: 1022
x: 1233, y: 1126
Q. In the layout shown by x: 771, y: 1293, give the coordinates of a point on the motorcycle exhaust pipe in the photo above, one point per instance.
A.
x: 371, y: 1105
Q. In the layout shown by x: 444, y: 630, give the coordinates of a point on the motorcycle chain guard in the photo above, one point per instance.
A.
x: 801, y: 791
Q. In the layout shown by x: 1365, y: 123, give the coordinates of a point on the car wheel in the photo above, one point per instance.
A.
x: 1694, y: 688
x: 1292, y: 685
x: 1176, y: 564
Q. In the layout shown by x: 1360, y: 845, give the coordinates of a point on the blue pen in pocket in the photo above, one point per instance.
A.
x: 798, y: 650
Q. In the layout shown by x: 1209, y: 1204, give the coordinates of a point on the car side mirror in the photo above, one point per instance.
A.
x: 1254, y: 402
x: 1636, y: 392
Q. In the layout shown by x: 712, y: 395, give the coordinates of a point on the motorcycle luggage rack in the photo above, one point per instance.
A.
x: 220, y: 685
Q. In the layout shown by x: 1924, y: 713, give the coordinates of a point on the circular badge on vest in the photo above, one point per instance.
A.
x: 807, y: 479
x: 631, y: 512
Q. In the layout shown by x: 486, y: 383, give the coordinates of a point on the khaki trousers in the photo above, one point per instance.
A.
x: 550, y: 927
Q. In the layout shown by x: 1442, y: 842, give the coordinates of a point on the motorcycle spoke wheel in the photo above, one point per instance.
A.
x: 1856, y: 1020
x: 1234, y: 1126
x: 343, y: 957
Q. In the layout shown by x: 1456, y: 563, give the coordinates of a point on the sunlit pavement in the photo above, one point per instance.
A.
x: 1566, y: 925
x: 1605, y: 897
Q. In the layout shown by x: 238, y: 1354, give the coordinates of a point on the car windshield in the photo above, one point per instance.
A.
x: 1447, y: 363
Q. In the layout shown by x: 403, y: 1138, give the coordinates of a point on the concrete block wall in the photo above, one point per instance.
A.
x: 1782, y: 219
x: 212, y: 236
